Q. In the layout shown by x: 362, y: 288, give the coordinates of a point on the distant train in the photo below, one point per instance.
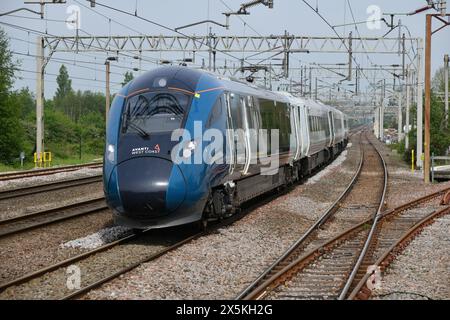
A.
x: 147, y: 185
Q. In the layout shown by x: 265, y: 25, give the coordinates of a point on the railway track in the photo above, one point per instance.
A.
x: 47, y: 171
x: 45, y: 217
x: 49, y: 186
x: 362, y: 290
x: 98, y: 266
x: 341, y: 267
x: 324, y: 271
x: 61, y: 264
x: 363, y: 198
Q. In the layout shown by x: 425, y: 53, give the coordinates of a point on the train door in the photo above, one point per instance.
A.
x: 230, y: 136
x: 298, y: 136
x: 306, y: 140
x: 246, y: 125
x: 238, y: 139
x: 331, y: 122
x: 253, y: 124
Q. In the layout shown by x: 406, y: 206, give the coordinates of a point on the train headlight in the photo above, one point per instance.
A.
x: 110, y: 153
x: 187, y: 150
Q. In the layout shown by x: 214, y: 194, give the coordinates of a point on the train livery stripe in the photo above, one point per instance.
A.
x: 199, y: 112
x: 111, y: 185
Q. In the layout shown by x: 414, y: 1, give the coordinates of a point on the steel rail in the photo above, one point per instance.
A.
x: 49, y: 186
x: 78, y: 209
x: 116, y: 274
x: 32, y: 275
x: 361, y: 291
x: 47, y: 171
x: 368, y: 241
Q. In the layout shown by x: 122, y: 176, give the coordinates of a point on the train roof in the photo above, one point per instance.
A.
x: 188, y: 79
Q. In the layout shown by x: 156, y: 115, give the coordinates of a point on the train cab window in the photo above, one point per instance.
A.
x: 154, y: 112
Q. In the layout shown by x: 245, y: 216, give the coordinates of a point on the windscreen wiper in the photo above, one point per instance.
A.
x: 140, y: 130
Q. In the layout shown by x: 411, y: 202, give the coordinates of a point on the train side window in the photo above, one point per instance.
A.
x: 285, y: 127
x: 269, y: 119
x: 252, y: 113
x: 235, y: 111
x: 216, y: 112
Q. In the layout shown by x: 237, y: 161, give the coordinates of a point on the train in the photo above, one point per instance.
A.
x: 189, y: 146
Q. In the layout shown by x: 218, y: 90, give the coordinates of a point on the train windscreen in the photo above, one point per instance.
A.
x: 154, y: 112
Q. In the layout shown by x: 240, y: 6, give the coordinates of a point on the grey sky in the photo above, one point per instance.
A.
x: 291, y: 15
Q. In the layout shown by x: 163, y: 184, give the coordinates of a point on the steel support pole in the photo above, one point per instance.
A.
x: 39, y: 98
x: 419, y: 133
x: 107, y: 93
x: 350, y: 56
x: 376, y: 123
x: 310, y: 83
x: 383, y: 93
x: 407, y: 110
x: 400, y: 114
x: 315, y: 90
x: 381, y: 120
x: 426, y: 164
x: 446, y: 89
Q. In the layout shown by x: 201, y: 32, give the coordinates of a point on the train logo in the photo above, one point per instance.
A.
x: 145, y: 150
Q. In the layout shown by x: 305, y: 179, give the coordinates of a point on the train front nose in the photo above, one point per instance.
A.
x: 150, y: 187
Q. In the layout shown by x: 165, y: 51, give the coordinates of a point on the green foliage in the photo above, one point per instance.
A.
x: 390, y: 121
x: 127, y: 77
x: 26, y: 99
x: 10, y: 107
x: 74, y: 122
x: 11, y: 138
x: 60, y: 133
x: 92, y: 127
x: 64, y: 83
x: 440, y: 133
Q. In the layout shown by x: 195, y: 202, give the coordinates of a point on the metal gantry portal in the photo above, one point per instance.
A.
x: 409, y: 49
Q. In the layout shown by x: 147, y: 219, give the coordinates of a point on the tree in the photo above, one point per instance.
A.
x: 26, y: 100
x: 10, y: 109
x: 440, y: 136
x: 64, y: 83
x: 438, y: 82
x: 127, y: 77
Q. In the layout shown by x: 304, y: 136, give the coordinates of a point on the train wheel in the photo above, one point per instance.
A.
x: 204, y: 224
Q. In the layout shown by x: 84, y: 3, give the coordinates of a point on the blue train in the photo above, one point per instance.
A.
x: 162, y: 167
